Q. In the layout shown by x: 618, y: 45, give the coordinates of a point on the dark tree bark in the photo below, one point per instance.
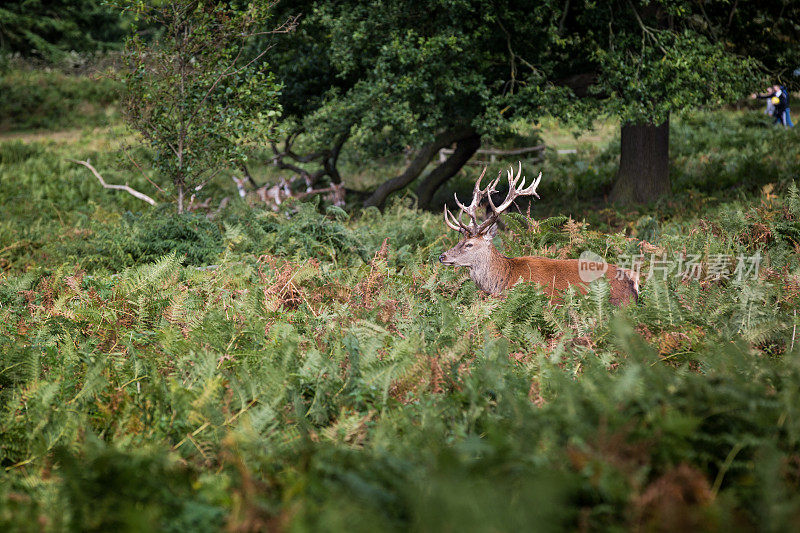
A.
x: 465, y: 149
x: 332, y: 158
x: 418, y: 164
x: 327, y: 159
x: 247, y: 175
x: 643, y: 174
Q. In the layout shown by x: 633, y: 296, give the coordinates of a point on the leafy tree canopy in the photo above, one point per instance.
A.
x: 403, y: 70
x: 394, y: 73
x: 195, y: 94
x: 399, y: 70
x: 49, y: 28
x: 647, y: 59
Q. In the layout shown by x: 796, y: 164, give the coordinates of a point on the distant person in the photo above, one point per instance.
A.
x: 779, y: 99
x: 787, y: 117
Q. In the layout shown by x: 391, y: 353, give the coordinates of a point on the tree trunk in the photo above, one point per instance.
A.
x: 465, y: 149
x: 418, y: 164
x: 180, y: 198
x: 643, y: 174
x: 331, y: 159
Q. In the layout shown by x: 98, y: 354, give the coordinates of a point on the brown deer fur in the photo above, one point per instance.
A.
x: 493, y: 272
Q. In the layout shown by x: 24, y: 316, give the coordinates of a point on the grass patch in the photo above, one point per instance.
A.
x: 36, y: 99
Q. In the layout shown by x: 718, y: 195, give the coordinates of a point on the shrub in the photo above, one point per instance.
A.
x: 54, y: 101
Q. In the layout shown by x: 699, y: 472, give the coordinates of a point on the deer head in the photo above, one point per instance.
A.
x: 475, y: 248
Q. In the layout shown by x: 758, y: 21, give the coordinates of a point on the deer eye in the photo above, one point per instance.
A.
x: 468, y: 245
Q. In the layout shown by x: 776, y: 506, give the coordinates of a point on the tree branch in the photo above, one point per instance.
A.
x: 331, y: 161
x: 563, y: 18
x: 733, y: 11
x: 465, y: 148
x: 142, y: 171
x: 126, y: 188
x: 418, y: 164
x: 247, y: 175
x: 286, y: 27
x: 645, y: 30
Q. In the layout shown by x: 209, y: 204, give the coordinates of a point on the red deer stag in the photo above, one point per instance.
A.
x: 493, y: 272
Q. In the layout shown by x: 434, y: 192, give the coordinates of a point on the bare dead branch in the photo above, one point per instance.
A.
x: 288, y: 26
x: 126, y: 188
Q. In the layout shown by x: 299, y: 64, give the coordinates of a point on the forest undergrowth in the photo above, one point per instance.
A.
x: 313, y: 369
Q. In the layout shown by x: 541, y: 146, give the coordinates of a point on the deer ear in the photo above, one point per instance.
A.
x: 490, y: 233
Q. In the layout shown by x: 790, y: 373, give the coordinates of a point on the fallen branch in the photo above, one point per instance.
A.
x: 493, y: 152
x: 126, y: 188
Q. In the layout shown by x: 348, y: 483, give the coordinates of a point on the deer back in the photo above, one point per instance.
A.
x: 557, y: 275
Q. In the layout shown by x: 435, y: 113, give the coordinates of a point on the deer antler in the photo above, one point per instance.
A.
x: 453, y: 222
x: 515, y: 190
x: 477, y: 196
x: 471, y: 210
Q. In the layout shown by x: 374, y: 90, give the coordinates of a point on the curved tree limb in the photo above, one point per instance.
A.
x: 246, y: 172
x: 465, y: 149
x: 326, y: 158
x: 126, y: 188
x: 332, y: 158
x: 418, y: 164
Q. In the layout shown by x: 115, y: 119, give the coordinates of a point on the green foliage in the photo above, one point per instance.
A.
x: 144, y: 238
x: 137, y: 238
x: 294, y: 382
x: 647, y: 73
x: 741, y: 156
x: 39, y: 99
x: 50, y: 29
x: 143, y: 490
x: 191, y: 95
x: 259, y: 370
x: 395, y: 73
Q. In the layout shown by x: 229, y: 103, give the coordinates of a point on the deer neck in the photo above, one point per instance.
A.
x: 491, y: 275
